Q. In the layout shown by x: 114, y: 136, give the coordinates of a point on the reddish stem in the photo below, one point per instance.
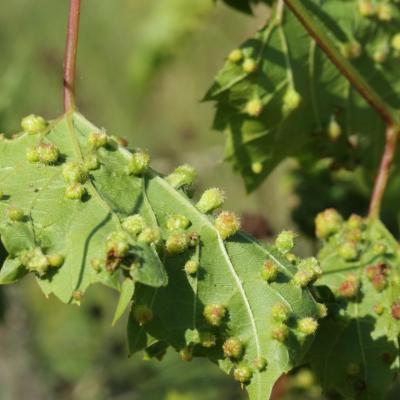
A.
x: 384, y: 171
x: 71, y: 50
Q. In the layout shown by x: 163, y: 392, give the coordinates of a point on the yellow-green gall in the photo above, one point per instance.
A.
x: 311, y: 265
x: 366, y: 8
x: 233, y: 348
x: 384, y: 12
x: 302, y: 278
x: 139, y: 162
x: 243, y: 374
x: 134, y: 224
x: 235, y: 55
x: 95, y: 263
x: 149, y: 235
x: 55, y: 260
x: 381, y: 52
x: 254, y: 107
x: 97, y: 140
x: 327, y: 223
x: 227, y: 224
x: 292, y: 258
x: 182, y: 176
x: 33, y: 124
x: 15, y: 214
x: 291, y: 100
x: 91, y: 162
x: 285, y: 241
x: 379, y: 309
x: 186, y: 354
x: 334, y: 130
x: 208, y: 340
x: 257, y: 167
x: 194, y: 239
x: 249, y: 65
x: 177, y: 221
x: 396, y: 42
x: 280, y: 312
x: 307, y: 325
x: 48, y: 153
x: 32, y: 155
x: 260, y: 363
x: 177, y: 242
x: 117, y: 244
x: 269, y: 271
x: 191, y: 267
x: 351, y: 50
x: 348, y: 251
x: 75, y: 191
x: 322, y: 310
x: 142, y: 314
x: 214, y: 314
x: 77, y: 295
x: 280, y: 332
x: 74, y: 172
x: 210, y: 200
x: 35, y: 261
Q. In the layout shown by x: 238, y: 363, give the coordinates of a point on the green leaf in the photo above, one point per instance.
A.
x: 127, y: 290
x: 356, y: 350
x: 229, y: 275
x: 11, y: 271
x: 75, y: 229
x: 285, y: 107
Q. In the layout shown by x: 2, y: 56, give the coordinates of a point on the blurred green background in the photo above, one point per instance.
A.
x: 143, y: 67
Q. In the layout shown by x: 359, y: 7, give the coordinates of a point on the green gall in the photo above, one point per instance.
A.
x: 214, y: 314
x: 285, y: 241
x: 280, y: 312
x: 97, y: 140
x: 235, y: 55
x: 349, y: 288
x: 55, y: 260
x: 91, y: 162
x: 194, y: 239
x: 134, y: 224
x: 311, y: 266
x: 353, y: 369
x: 33, y: 124
x: 74, y: 172
x: 191, y: 267
x: 139, y: 162
x: 269, y: 271
x: 351, y: 50
x: 35, y: 261
x: 117, y: 244
x: 142, y: 314
x: 322, y: 310
x: 184, y: 175
x: 280, y: 332
x: 348, y: 251
x: 384, y: 12
x: 302, y: 278
x: 15, y: 214
x: 334, y: 130
x: 378, y: 309
x: 32, y: 155
x: 355, y: 222
x: 366, y: 8
x: 210, y: 200
x: 77, y: 295
x: 177, y: 221
x: 95, y: 263
x: 227, y: 224
x: 243, y: 374
x: 253, y: 108
x: 291, y: 100
x: 75, y: 191
x: 257, y: 167
x: 233, y: 348
x: 327, y: 223
x: 48, y: 153
x: 192, y: 336
x: 292, y: 258
x: 208, y: 340
x: 177, y: 242
x: 396, y: 42
x: 260, y: 363
x: 149, y: 235
x: 186, y: 354
x: 379, y: 249
x: 307, y: 326
x: 249, y: 65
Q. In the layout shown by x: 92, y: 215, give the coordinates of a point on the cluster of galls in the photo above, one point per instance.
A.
x: 36, y: 261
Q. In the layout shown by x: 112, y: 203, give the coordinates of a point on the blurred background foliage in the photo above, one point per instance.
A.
x: 144, y: 66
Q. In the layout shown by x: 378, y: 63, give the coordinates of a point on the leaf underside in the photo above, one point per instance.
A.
x: 289, y: 59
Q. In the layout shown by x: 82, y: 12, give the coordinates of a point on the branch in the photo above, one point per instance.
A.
x: 316, y: 30
x: 384, y: 171
x: 71, y: 49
